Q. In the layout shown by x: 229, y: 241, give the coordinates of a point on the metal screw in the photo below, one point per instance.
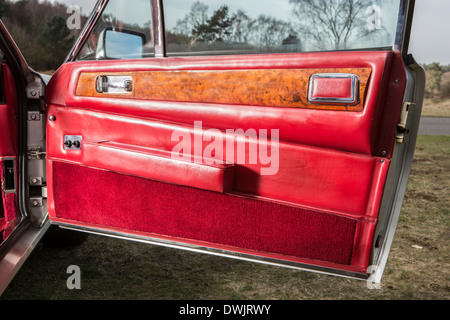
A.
x: 33, y: 117
x: 33, y: 93
x: 35, y: 203
x: 34, y: 180
x: 384, y: 153
x: 52, y: 118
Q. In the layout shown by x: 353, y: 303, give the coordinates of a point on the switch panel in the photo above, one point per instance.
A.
x: 72, y: 142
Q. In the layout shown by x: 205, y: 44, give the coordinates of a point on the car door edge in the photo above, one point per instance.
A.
x: 402, y: 159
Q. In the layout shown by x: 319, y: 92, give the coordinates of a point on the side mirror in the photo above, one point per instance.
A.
x: 115, y: 43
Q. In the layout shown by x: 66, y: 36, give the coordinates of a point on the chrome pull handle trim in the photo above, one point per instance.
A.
x: 114, y: 84
x: 351, y: 96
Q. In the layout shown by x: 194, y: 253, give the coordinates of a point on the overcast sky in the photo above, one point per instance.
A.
x: 430, y: 34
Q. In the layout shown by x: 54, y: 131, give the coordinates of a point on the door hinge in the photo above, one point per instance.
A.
x: 34, y: 116
x: 402, y: 125
x: 36, y: 202
x: 36, y: 181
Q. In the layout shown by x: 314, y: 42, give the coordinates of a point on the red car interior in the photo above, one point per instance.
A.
x: 320, y: 207
x: 8, y: 146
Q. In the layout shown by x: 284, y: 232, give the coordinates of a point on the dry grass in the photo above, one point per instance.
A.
x: 47, y: 72
x: 418, y: 267
x: 436, y: 108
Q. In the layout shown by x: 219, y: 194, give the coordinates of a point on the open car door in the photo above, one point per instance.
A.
x: 21, y: 90
x: 250, y: 132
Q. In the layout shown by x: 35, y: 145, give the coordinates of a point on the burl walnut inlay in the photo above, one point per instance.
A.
x: 287, y: 88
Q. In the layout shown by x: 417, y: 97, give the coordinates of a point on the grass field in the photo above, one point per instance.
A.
x: 436, y: 108
x: 418, y: 267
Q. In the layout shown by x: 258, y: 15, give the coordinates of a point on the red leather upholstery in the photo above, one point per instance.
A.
x: 300, y: 126
x: 8, y: 141
x: 158, y: 165
x: 329, y: 161
x: 332, y: 88
x: 8, y: 113
x: 304, y: 176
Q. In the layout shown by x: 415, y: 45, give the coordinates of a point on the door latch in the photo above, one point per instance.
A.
x: 35, y: 153
x: 401, y: 126
x: 114, y: 84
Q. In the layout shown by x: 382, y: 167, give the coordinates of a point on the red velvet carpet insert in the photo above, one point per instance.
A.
x: 135, y: 204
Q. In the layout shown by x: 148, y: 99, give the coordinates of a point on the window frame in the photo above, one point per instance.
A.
x: 401, y: 44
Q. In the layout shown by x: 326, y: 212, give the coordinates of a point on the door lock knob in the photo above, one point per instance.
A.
x: 76, y: 144
x: 68, y: 144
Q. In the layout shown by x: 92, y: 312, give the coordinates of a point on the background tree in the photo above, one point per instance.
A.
x: 445, y: 90
x: 268, y: 31
x: 434, y: 73
x: 215, y: 29
x: 4, y: 8
x: 438, y: 81
x: 56, y: 40
x: 236, y: 29
x: 336, y: 22
x: 197, y: 15
x: 240, y: 30
x: 25, y: 20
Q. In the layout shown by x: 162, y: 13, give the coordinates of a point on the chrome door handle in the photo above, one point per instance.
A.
x: 334, y: 88
x: 114, y: 84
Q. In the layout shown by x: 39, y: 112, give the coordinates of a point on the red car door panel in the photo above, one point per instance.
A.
x: 301, y: 126
x: 304, y: 174
x: 321, y: 205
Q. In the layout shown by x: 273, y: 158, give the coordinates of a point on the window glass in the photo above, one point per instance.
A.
x: 124, y: 31
x: 264, y: 26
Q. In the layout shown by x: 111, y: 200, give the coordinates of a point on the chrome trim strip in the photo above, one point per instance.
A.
x: 158, y: 28
x: 114, y: 84
x: 354, y: 98
x: 13, y: 260
x: 90, y: 24
x: 216, y: 252
x: 401, y: 164
x: 404, y: 24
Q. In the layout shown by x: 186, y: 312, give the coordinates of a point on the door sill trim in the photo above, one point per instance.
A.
x: 18, y: 253
x: 216, y: 252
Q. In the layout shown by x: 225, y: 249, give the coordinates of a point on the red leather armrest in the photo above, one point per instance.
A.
x: 157, y: 165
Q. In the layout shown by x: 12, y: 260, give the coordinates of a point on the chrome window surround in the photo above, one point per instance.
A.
x: 401, y: 43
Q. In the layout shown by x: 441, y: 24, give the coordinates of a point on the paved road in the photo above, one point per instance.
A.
x: 434, y: 126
